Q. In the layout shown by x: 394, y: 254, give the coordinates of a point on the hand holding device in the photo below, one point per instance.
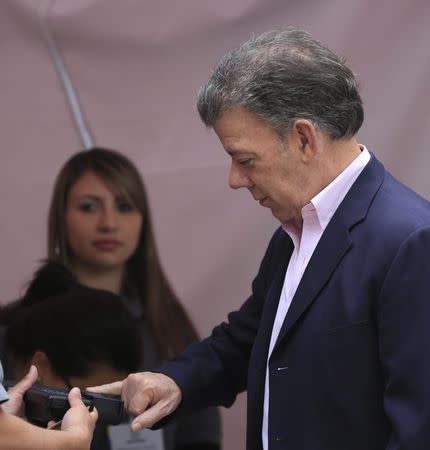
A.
x: 44, y: 404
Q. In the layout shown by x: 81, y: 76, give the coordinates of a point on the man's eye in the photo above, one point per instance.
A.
x: 88, y: 207
x: 246, y: 162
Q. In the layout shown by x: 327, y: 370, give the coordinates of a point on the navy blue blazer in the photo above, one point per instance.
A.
x: 351, y: 367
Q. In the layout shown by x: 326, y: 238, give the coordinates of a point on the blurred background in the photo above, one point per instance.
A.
x: 136, y: 67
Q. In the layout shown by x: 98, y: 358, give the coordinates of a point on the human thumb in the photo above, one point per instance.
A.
x: 75, y: 397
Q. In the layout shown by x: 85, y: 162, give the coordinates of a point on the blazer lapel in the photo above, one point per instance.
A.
x: 261, y: 347
x: 334, y: 243
x: 258, y: 360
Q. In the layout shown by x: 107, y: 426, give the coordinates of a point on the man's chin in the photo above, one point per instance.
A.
x: 275, y: 212
x: 282, y: 217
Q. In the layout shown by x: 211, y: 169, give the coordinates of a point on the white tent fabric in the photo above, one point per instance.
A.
x: 136, y: 67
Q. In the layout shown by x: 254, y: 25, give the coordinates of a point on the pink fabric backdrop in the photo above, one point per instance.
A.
x: 136, y: 67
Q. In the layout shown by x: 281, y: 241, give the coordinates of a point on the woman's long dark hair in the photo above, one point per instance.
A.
x: 165, y: 316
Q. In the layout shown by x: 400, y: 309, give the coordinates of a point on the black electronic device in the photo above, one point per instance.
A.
x: 44, y: 403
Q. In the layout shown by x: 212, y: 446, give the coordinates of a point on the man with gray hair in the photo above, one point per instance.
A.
x: 333, y: 344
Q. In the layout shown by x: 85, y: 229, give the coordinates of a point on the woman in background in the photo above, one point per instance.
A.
x: 100, y: 229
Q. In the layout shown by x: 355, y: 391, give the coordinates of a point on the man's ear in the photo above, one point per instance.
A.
x: 305, y: 138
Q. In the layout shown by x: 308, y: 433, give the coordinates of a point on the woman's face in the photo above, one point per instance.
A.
x: 102, y: 230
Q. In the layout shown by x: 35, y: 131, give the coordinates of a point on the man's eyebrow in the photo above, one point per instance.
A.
x: 233, y: 152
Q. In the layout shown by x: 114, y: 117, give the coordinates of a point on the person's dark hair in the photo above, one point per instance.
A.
x: 165, y: 316
x: 75, y: 326
x: 282, y: 76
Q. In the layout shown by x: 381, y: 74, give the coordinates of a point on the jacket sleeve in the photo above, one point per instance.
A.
x: 404, y: 344
x: 214, y: 371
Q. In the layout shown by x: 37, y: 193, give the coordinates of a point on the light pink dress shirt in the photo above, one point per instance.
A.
x: 316, y: 216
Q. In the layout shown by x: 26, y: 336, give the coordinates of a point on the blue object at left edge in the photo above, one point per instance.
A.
x: 3, y: 394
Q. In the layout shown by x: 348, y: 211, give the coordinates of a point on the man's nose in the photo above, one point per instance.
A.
x: 237, y: 178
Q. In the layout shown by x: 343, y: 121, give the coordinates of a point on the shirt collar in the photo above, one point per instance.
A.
x: 326, y: 202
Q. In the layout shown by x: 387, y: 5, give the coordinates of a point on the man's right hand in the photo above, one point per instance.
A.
x: 147, y: 396
x: 78, y: 420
